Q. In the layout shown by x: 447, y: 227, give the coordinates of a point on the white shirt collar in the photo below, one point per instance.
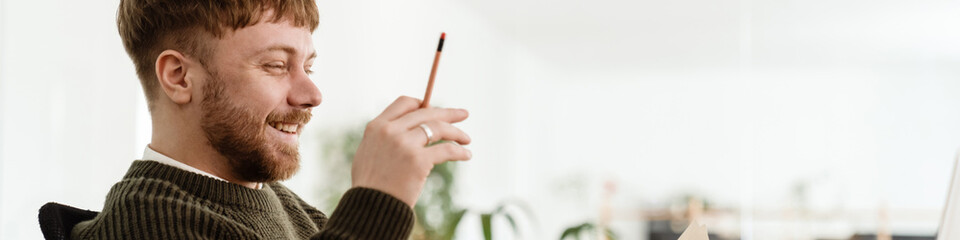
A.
x: 151, y: 155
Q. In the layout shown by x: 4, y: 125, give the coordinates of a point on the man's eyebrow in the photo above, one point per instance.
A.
x: 288, y: 49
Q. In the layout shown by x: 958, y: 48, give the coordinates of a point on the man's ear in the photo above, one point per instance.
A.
x: 171, y: 71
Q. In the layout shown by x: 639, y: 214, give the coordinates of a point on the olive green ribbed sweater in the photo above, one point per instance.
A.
x: 156, y: 201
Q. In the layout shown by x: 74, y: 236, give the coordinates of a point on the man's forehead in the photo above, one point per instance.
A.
x: 265, y: 37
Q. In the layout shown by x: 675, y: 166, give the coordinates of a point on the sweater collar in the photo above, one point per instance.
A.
x: 205, y: 187
x: 153, y: 155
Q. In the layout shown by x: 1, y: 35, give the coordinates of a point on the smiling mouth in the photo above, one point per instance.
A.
x: 285, y: 127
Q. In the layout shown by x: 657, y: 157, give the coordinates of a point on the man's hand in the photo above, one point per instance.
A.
x: 393, y: 156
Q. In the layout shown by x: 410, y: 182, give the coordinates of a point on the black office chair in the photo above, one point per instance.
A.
x: 56, y: 220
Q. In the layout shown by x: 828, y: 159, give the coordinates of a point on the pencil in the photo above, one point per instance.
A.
x: 433, y: 73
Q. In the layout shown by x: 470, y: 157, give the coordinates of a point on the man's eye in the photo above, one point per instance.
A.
x: 275, y: 66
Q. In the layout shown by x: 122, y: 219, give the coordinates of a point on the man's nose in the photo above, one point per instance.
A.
x: 303, y: 93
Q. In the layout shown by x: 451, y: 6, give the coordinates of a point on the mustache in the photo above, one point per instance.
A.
x: 297, y: 116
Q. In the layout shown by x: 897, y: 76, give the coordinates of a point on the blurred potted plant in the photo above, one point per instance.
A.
x: 587, y: 229
x: 508, y: 211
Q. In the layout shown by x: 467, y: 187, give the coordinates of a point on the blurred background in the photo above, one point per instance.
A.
x: 762, y: 119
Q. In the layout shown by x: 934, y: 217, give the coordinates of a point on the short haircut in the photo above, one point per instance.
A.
x: 148, y: 27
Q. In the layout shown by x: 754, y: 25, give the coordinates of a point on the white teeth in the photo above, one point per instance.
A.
x: 289, y: 128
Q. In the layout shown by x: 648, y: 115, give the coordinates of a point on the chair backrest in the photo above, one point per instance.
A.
x: 56, y: 220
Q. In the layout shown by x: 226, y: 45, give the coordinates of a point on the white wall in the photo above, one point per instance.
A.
x: 69, y: 96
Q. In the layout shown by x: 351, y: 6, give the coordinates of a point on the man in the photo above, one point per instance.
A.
x: 229, y: 93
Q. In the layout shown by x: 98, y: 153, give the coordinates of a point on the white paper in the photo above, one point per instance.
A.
x: 694, y: 232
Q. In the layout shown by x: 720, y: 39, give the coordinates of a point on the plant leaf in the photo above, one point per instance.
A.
x: 454, y: 222
x: 487, y: 229
x: 575, y: 231
x: 513, y: 224
x: 572, y: 231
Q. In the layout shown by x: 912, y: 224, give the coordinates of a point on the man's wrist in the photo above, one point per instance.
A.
x: 392, y: 191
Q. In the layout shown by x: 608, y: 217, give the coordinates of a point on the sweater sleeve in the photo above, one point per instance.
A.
x: 365, y: 213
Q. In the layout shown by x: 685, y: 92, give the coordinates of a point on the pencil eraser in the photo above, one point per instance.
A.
x: 443, y: 35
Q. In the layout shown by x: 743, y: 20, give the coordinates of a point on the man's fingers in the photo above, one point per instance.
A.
x: 449, y: 151
x: 399, y: 107
x: 417, y: 117
x: 440, y: 131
